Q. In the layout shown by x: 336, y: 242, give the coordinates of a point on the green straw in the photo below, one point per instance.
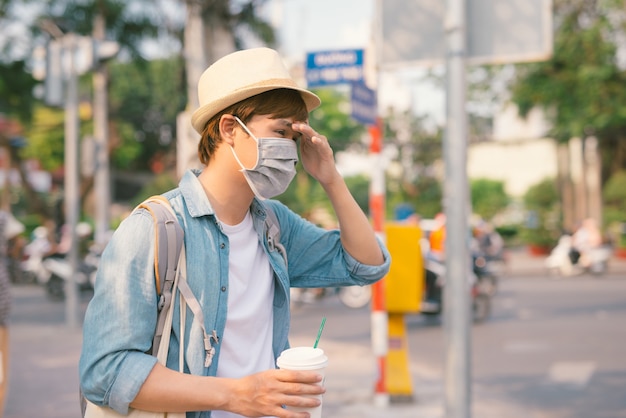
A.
x: 319, y: 333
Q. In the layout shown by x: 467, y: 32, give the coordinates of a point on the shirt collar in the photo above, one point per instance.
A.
x: 197, y: 201
x: 194, y: 195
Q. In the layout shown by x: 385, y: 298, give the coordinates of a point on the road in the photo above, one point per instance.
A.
x: 553, y: 348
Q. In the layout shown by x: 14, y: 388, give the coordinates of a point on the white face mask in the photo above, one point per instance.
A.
x: 275, y: 166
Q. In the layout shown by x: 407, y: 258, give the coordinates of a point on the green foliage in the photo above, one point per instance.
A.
x: 332, y: 119
x: 45, y: 138
x: 614, y: 192
x: 488, y: 197
x: 359, y: 187
x: 127, y: 151
x: 429, y: 197
x: 541, y: 201
x: 304, y: 193
x: 542, y: 197
x: 16, y: 85
x: 418, y: 145
x: 127, y: 22
x: 159, y: 185
x: 541, y: 237
x: 508, y: 232
x: 614, y: 208
x: 145, y: 99
x: 46, y: 133
x: 581, y: 86
x: 424, y: 194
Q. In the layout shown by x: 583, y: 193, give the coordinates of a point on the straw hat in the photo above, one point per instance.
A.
x: 241, y: 75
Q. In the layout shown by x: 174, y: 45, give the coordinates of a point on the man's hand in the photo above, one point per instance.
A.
x: 316, y: 154
x: 265, y: 393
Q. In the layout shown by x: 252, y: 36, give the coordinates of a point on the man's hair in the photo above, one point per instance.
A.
x: 279, y: 103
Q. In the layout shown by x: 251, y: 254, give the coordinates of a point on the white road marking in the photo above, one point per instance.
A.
x: 577, y: 373
x: 525, y: 346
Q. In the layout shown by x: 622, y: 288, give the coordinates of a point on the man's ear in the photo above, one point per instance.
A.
x: 227, y: 125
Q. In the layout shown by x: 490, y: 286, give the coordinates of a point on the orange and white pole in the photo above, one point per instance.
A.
x: 379, y: 313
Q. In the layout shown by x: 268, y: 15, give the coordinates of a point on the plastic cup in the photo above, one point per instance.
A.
x: 305, y: 358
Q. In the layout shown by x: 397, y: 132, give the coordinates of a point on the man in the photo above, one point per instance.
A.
x: 252, y: 118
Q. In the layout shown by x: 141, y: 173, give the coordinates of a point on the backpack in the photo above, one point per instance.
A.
x: 168, y: 243
x: 169, y: 237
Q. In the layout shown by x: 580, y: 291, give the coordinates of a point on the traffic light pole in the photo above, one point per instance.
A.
x: 71, y: 195
x: 102, y: 177
x: 456, y: 204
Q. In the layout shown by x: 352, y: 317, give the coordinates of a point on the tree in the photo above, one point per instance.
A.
x: 581, y: 88
x: 333, y: 120
x: 541, y: 203
x: 614, y: 204
x: 144, y: 101
x: 127, y: 25
x: 14, y: 81
x: 214, y: 28
x: 418, y: 149
x: 488, y: 197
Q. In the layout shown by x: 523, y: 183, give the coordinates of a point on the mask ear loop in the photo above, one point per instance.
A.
x: 258, y: 151
x: 243, y: 125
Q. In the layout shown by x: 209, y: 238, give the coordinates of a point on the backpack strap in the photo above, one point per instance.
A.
x: 167, y: 254
x: 168, y: 242
x: 272, y: 233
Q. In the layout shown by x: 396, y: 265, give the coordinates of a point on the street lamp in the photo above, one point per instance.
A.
x: 61, y: 61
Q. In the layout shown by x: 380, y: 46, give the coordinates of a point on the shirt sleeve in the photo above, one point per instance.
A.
x: 317, y: 257
x: 121, y: 317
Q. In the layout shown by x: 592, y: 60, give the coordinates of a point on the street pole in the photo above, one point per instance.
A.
x: 102, y: 183
x: 456, y: 202
x: 379, y: 317
x: 71, y: 177
x: 187, y: 138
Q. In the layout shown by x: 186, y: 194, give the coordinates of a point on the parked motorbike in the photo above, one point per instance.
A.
x: 564, y: 260
x: 52, y: 270
x: 485, y: 273
x: 60, y: 272
x: 34, y: 253
x: 432, y: 305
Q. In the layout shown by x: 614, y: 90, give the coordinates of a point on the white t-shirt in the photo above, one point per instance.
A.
x: 246, y: 346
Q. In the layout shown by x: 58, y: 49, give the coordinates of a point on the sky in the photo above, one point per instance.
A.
x: 325, y: 25
x: 322, y: 24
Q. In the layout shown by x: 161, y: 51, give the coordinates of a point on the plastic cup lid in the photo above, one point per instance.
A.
x: 302, y: 358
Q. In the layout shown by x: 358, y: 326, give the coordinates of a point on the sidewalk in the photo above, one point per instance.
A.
x: 521, y: 263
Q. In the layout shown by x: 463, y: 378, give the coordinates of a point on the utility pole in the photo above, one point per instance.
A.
x: 456, y: 193
x: 187, y: 138
x: 62, y: 64
x: 70, y: 192
x: 102, y: 177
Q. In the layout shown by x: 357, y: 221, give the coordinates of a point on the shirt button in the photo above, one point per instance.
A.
x: 223, y: 288
x: 222, y: 245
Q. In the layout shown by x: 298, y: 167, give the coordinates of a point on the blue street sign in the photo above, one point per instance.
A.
x: 334, y: 67
x: 364, y: 104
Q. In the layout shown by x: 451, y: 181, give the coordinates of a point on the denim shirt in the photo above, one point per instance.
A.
x: 121, y: 317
